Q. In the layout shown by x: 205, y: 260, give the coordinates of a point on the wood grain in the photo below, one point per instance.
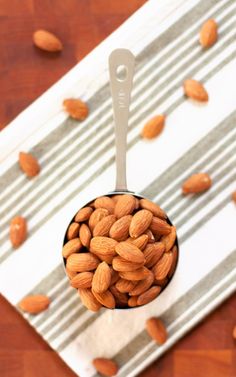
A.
x: 25, y: 73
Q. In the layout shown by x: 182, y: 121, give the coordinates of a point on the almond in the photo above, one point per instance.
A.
x: 71, y: 247
x: 103, y: 246
x: 140, y: 222
x: 156, y: 329
x: 83, y: 214
x: 103, y: 227
x: 149, y: 295
x: 125, y: 286
x: 151, y: 237
x: 234, y: 197
x: 197, y: 183
x: 29, y: 164
x: 76, y: 108
x: 121, y: 298
x: 70, y: 274
x: 120, y: 229
x: 47, y: 41
x: 34, y: 304
x: 234, y: 333
x: 82, y: 262
x: 85, y: 235
x: 152, y: 207
x: 162, y: 267
x: 18, y: 231
x: 140, y: 242
x: 105, y: 202
x: 97, y: 216
x: 101, y: 278
x: 115, y: 198
x: 153, y: 127
x: 129, y: 252
x: 208, y: 33
x: 106, y: 299
x: 114, y: 276
x: 89, y: 300
x: 139, y: 274
x: 159, y: 226
x: 195, y: 90
x: 169, y: 239
x: 153, y: 252
x: 82, y: 280
x: 125, y: 205
x: 142, y: 286
x: 73, y: 231
x: 132, y: 302
x: 106, y: 367
x: 174, y: 261
x: 120, y: 264
x: 105, y: 257
x: 162, y: 283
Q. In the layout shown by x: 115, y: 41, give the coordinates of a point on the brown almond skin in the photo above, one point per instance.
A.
x: 120, y: 229
x: 156, y: 330
x: 174, y: 261
x: 85, y: 235
x: 34, y: 304
x: 82, y: 280
x: 142, y: 286
x: 106, y: 299
x: 47, y: 41
x: 76, y: 108
x: 153, y: 127
x: 169, y: 239
x: 97, y: 216
x: 125, y: 205
x: 152, y: 207
x: 114, y: 276
x: 140, y: 242
x: 152, y: 253
x: 103, y: 246
x: 82, y: 262
x: 103, y: 227
x: 125, y: 286
x: 140, y: 222
x: 71, y: 247
x: 162, y: 267
x: 83, y: 214
x: 129, y: 252
x: 105, y: 202
x: 29, y: 164
x: 108, y: 258
x: 106, y: 367
x: 122, y: 265
x: 139, y: 274
x: 195, y: 90
x: 89, y: 300
x: 121, y: 298
x: 159, y: 226
x: 70, y: 274
x: 101, y: 278
x: 208, y: 33
x: 234, y: 333
x: 197, y: 183
x: 151, y: 237
x: 132, y: 302
x: 18, y: 231
x: 162, y: 283
x: 73, y: 231
x: 149, y: 295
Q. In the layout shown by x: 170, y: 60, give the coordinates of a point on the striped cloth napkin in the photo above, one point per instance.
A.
x: 77, y: 163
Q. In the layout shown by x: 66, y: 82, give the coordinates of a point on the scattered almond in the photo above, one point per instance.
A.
x: 148, y: 295
x: 129, y: 252
x: 34, y: 304
x: 107, y: 367
x: 140, y: 222
x: 76, y: 108
x: 101, y: 278
x: 29, y: 164
x: 103, y: 227
x: 156, y: 329
x: 85, y: 235
x: 71, y: 247
x: 82, y: 280
x: 89, y: 300
x: 197, y: 183
x: 153, y: 127
x: 47, y: 41
x: 208, y: 33
x: 18, y: 231
x: 120, y: 229
x: 195, y: 90
x: 73, y: 231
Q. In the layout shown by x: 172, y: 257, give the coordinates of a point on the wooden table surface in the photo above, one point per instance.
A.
x: 209, y: 350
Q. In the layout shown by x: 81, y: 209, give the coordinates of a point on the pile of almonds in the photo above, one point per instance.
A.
x: 120, y: 252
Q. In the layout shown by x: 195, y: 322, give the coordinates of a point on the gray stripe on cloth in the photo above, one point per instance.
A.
x: 98, y: 172
x: 177, y: 309
x: 157, y: 45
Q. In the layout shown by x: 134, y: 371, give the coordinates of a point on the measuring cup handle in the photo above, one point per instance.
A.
x: 121, y: 68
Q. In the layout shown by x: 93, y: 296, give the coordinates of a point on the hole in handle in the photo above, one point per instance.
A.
x: 121, y: 72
